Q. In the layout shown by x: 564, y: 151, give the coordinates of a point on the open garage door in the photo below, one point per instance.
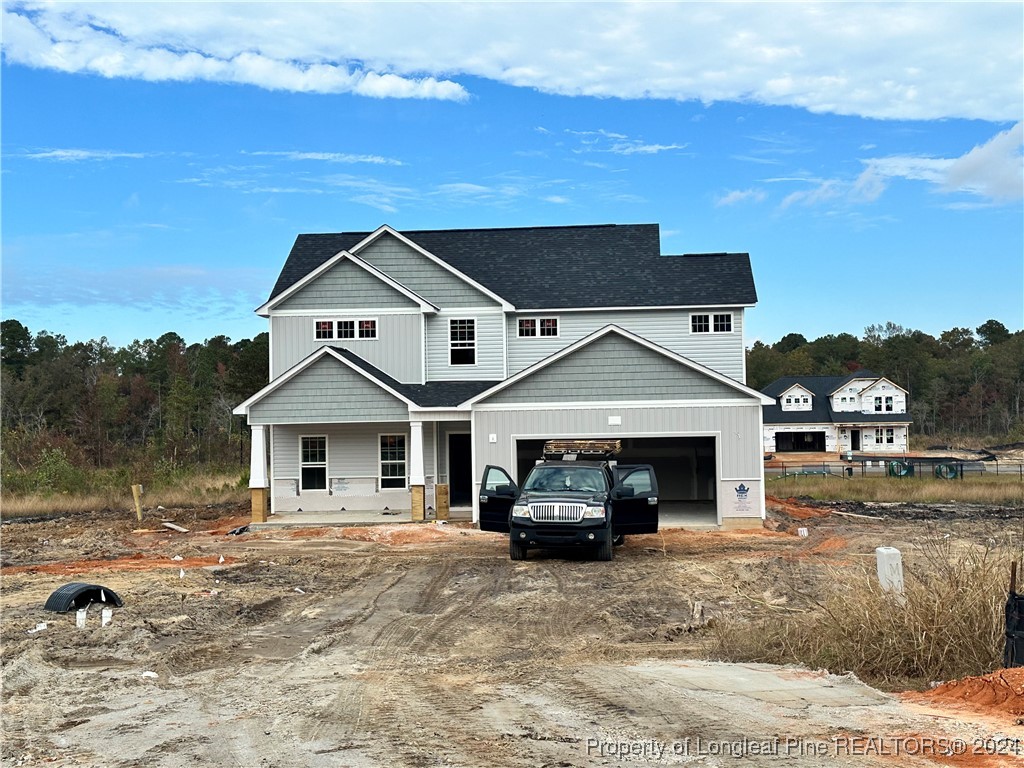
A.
x: 799, y: 441
x: 685, y: 466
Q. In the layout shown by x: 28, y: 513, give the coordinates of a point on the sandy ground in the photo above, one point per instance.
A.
x: 423, y: 645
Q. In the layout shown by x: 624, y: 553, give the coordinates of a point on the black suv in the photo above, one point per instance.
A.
x: 571, y: 500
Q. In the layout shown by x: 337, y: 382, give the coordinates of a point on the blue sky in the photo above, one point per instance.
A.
x: 159, y: 159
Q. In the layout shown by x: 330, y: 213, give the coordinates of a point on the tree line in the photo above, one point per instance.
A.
x: 165, y: 402
x: 963, y: 386
x: 154, y: 403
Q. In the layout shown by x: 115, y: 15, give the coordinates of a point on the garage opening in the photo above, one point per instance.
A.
x: 799, y: 441
x: 684, y: 466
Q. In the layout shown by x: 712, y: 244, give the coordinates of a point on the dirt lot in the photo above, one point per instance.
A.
x: 420, y: 645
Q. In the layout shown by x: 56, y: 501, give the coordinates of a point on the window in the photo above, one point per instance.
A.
x: 700, y: 323
x: 789, y: 401
x: 805, y: 401
x: 392, y: 461
x: 527, y: 327
x: 879, y: 435
x: 367, y: 329
x: 890, y: 435
x: 462, y: 342
x: 531, y: 326
x: 347, y: 329
x: 878, y: 404
x: 313, y: 468
x: 723, y: 323
x: 888, y: 404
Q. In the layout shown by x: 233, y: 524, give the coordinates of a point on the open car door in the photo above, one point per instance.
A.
x: 635, y: 500
x: 498, y: 493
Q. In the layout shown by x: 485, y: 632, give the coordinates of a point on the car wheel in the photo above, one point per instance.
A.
x: 605, y: 551
x: 618, y: 539
x: 516, y: 550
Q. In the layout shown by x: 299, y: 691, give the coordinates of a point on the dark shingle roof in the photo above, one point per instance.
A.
x: 554, y: 267
x: 433, y: 394
x: 821, y: 411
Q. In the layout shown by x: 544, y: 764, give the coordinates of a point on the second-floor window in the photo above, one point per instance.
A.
x: 462, y: 342
x: 888, y: 403
x: 878, y: 404
x: 347, y: 329
x: 530, y: 327
x: 711, y: 323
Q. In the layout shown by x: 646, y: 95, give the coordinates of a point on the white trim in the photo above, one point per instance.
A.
x: 476, y: 361
x: 450, y: 311
x: 291, y: 290
x: 688, y: 307
x: 384, y: 228
x: 243, y: 408
x: 538, y: 319
x: 380, y: 462
x: 273, y: 477
x: 345, y: 313
x: 326, y: 463
x: 579, y: 405
x: 600, y: 333
x: 711, y: 323
x: 439, y: 413
x: 423, y: 349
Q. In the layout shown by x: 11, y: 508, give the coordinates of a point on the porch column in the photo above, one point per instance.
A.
x: 417, y: 480
x: 259, y: 484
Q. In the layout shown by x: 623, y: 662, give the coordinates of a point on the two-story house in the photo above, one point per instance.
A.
x: 401, y: 360
x: 861, y: 413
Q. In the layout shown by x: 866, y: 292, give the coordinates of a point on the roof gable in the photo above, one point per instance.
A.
x: 591, y: 266
x: 605, y: 346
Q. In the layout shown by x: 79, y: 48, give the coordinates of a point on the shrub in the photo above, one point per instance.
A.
x: 948, y: 624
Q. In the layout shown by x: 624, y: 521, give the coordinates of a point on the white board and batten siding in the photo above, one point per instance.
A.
x: 353, y: 467
x: 669, y: 328
x: 328, y: 391
x: 397, y: 350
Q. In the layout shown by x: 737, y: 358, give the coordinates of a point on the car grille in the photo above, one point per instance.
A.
x: 557, y: 513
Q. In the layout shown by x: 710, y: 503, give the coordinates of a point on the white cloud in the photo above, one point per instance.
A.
x: 330, y: 157
x: 80, y: 155
x: 557, y: 199
x: 879, y: 60
x: 993, y: 170
x: 741, y: 195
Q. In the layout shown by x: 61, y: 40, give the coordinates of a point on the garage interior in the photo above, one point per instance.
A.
x: 685, y: 468
x: 799, y: 441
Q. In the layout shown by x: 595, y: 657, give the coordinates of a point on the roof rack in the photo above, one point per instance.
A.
x: 569, y: 450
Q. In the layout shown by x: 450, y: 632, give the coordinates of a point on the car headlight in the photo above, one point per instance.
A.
x: 520, y: 510
x: 593, y: 512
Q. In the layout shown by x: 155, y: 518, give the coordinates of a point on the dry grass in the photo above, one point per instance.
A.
x: 993, y: 490
x: 195, y: 490
x: 948, y: 625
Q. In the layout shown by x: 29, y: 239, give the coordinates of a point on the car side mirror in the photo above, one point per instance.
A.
x: 624, y: 492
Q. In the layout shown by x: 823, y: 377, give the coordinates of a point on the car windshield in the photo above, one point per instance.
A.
x: 561, y: 479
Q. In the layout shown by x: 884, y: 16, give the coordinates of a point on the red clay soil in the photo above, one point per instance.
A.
x: 793, y: 508
x: 136, y: 562
x: 1000, y: 691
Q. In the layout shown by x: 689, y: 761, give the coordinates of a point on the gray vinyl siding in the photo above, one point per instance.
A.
x: 353, y: 450
x: 490, y: 363
x: 397, y: 350
x: 613, y: 368
x: 328, y: 391
x: 347, y: 286
x: 421, y: 275
x: 737, y: 428
x: 669, y: 328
